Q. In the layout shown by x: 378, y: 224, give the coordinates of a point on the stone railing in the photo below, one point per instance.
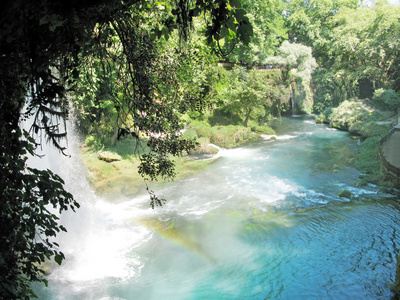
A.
x: 389, y: 168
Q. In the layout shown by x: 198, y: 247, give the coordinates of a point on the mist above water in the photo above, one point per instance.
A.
x: 263, y: 221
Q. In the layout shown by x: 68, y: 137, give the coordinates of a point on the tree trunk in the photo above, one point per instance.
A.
x: 247, y: 117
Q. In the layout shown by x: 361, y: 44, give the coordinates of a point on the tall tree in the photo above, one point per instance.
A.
x: 309, y: 23
x: 365, y: 45
x: 246, y: 93
x: 269, y: 31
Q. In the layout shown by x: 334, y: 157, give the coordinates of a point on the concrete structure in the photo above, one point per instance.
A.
x: 389, y: 152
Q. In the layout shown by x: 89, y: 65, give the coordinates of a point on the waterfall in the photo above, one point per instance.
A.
x: 99, y: 236
x: 292, y: 98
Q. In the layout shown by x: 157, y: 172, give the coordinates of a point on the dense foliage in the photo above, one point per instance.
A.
x: 141, y: 68
x: 44, y: 47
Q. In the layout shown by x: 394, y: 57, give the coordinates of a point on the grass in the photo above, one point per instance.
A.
x: 361, y: 118
x: 120, y: 179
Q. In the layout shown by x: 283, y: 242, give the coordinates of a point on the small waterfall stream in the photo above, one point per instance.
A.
x: 292, y: 99
x: 263, y: 221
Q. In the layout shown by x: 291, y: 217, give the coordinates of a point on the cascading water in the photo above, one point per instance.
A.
x: 292, y: 99
x: 264, y: 221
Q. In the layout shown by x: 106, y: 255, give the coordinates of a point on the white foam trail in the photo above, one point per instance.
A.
x: 268, y: 137
x: 237, y: 153
x: 356, y: 191
x: 286, y: 137
x: 215, y: 146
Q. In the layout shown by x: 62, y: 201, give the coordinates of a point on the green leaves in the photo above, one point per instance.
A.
x: 59, y: 257
x: 244, y: 32
x: 236, y: 3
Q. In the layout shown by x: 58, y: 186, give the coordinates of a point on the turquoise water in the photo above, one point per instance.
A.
x: 262, y: 222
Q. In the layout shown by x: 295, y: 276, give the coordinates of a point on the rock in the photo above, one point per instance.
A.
x: 345, y: 194
x: 268, y: 137
x: 109, y: 156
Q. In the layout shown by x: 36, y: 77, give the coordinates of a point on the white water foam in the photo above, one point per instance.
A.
x: 276, y: 190
x: 357, y: 191
x: 237, y: 153
x: 268, y: 137
x: 286, y: 137
x: 99, y: 241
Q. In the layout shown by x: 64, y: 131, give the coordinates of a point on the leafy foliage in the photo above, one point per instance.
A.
x: 386, y: 99
x: 246, y: 93
x: 269, y: 30
x: 309, y: 24
x: 330, y: 90
x: 366, y: 34
x: 47, y: 48
x: 134, y: 67
x: 296, y: 63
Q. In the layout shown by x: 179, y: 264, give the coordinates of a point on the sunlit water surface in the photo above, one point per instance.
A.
x: 262, y: 222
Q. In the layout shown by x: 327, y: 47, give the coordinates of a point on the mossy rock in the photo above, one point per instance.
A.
x: 345, y: 194
x: 109, y: 156
x: 204, y: 147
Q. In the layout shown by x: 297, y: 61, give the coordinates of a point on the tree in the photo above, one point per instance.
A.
x: 364, y: 46
x: 42, y: 45
x: 296, y: 63
x: 309, y: 24
x: 245, y: 94
x: 269, y: 30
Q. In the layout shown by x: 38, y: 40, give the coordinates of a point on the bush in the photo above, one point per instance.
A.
x: 264, y: 129
x: 368, y: 162
x: 223, y: 136
x: 320, y: 119
x: 386, y: 99
x: 190, y: 134
x: 373, y: 129
x: 93, y: 142
x: 203, y: 147
x: 224, y: 118
x: 350, y: 112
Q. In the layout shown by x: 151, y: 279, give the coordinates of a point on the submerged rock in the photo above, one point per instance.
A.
x: 345, y: 194
x: 109, y: 156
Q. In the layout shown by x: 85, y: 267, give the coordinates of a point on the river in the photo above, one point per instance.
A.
x: 264, y: 221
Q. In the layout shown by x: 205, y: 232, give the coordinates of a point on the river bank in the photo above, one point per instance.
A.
x: 370, y: 124
x: 366, y: 123
x: 118, y: 177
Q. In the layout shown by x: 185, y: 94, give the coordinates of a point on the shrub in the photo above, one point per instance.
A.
x: 93, y: 142
x: 263, y: 129
x: 320, y: 119
x: 373, y: 129
x: 223, y: 136
x: 190, y: 134
x: 203, y: 147
x: 386, y: 99
x: 350, y: 112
